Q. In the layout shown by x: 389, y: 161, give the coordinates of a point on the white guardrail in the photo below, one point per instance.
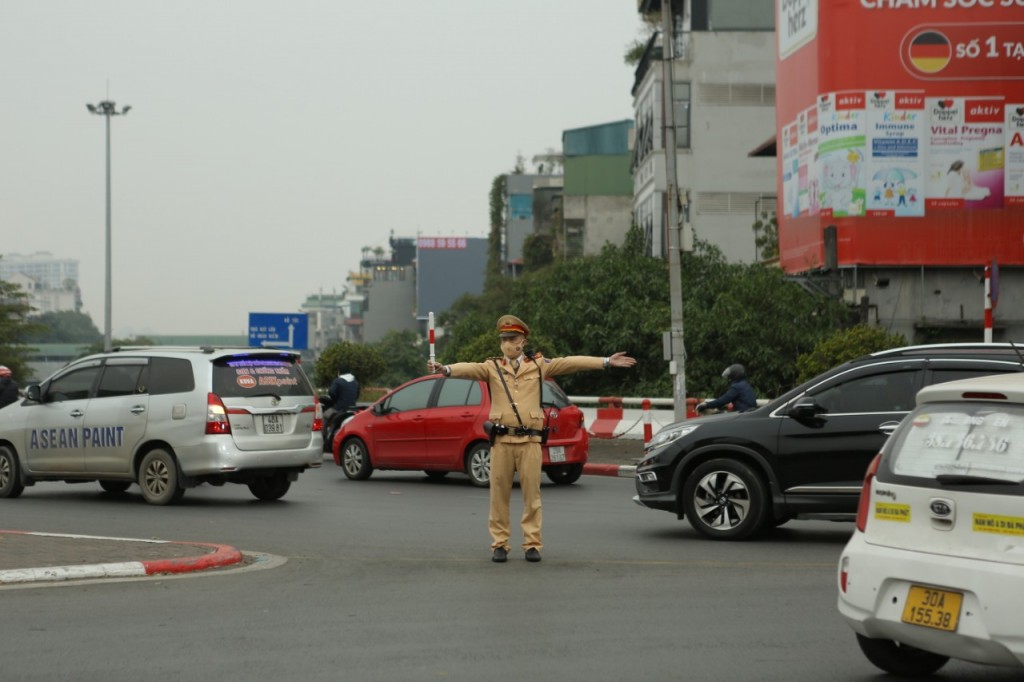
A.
x: 631, y: 424
x: 627, y: 421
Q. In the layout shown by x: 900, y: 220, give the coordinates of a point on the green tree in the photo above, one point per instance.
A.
x: 766, y: 235
x: 66, y: 326
x: 497, y: 197
x: 97, y: 347
x: 406, y: 354
x: 364, y: 361
x: 538, y: 252
x: 635, y: 49
x: 15, y: 330
x: 843, y: 345
x: 619, y: 300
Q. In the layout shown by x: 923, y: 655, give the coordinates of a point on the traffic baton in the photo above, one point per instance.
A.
x: 647, y: 420
x: 430, y: 334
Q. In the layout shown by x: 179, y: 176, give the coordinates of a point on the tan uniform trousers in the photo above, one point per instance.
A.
x: 506, y: 460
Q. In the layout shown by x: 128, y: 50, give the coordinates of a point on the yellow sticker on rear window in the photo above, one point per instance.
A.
x: 887, y: 511
x: 1002, y: 525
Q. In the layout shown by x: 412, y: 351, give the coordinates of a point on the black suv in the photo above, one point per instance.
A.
x: 802, y: 455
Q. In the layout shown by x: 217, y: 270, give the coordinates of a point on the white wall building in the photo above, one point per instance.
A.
x: 723, y: 73
x: 50, y: 283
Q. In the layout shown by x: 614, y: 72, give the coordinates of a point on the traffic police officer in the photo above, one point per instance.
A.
x: 518, y: 418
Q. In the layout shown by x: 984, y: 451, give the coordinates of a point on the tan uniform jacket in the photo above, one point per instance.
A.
x: 524, y: 386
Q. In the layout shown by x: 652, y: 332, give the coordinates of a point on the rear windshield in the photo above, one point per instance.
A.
x: 961, y: 439
x: 249, y: 376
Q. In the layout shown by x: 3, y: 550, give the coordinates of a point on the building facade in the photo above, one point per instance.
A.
x: 901, y: 167
x: 597, y: 196
x: 723, y: 98
x: 50, y: 283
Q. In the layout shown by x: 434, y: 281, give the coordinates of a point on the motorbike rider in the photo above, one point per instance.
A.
x: 342, y: 395
x: 740, y: 392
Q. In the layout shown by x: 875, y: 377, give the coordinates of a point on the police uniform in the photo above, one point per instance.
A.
x: 511, y: 452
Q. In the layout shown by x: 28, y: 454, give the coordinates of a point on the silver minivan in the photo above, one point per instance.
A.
x: 168, y: 419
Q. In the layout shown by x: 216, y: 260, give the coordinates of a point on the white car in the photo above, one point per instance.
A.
x: 935, y: 569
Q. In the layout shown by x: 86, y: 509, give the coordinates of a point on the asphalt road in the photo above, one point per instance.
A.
x: 390, y: 579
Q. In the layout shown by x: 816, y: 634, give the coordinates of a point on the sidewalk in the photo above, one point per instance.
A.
x: 50, y: 557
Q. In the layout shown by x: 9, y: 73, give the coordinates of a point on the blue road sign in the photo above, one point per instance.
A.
x: 279, y: 330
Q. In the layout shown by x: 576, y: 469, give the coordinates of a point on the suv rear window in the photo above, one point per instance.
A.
x: 240, y: 377
x: 962, y: 439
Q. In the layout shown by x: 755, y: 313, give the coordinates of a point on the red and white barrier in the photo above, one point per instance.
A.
x: 611, y: 420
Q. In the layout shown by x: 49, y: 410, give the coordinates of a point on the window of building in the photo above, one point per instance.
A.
x: 572, y: 238
x: 733, y: 15
x: 681, y: 110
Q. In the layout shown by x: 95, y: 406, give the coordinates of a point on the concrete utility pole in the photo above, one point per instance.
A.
x: 107, y: 109
x: 676, y: 351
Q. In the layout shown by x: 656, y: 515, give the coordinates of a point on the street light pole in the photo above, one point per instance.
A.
x: 107, y: 109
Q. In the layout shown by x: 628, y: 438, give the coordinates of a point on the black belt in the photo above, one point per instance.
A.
x: 518, y: 431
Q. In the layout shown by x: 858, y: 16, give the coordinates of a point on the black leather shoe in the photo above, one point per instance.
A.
x: 532, y: 554
x: 500, y: 555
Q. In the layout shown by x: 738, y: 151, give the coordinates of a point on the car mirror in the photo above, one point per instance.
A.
x: 379, y: 409
x: 807, y: 409
x: 33, y: 393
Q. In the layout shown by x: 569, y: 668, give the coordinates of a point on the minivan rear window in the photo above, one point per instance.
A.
x: 170, y: 375
x: 249, y: 376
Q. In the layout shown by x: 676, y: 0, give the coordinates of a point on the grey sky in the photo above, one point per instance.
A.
x: 269, y: 142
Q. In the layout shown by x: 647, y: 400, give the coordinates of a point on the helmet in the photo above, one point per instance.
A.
x: 734, y: 373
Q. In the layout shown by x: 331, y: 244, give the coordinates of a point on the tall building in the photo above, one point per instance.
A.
x: 901, y: 162
x: 50, y: 283
x: 723, y: 97
x: 531, y: 202
x: 597, y: 194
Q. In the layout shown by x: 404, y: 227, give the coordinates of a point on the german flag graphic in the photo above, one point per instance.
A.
x: 930, y: 52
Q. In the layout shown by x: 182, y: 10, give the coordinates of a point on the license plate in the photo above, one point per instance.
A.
x: 273, y: 423
x: 932, y: 608
x: 556, y: 454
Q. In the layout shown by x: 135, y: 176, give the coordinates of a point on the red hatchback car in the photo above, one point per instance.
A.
x: 435, y: 424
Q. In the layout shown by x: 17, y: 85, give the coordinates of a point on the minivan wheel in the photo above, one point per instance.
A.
x: 725, y: 500
x: 158, y: 478
x: 900, y: 659
x: 355, y: 460
x: 10, y: 477
x: 478, y: 465
x: 270, y: 487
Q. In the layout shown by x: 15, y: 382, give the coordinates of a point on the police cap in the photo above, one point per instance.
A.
x: 510, y: 325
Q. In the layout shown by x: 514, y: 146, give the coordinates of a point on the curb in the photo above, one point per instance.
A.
x: 222, y: 555
x: 621, y: 470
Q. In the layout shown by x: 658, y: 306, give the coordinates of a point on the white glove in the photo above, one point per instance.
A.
x: 702, y: 406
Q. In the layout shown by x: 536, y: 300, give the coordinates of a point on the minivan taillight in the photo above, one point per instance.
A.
x: 318, y: 414
x: 864, y: 506
x: 216, y: 415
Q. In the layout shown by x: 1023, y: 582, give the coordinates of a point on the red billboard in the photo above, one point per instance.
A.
x: 901, y: 123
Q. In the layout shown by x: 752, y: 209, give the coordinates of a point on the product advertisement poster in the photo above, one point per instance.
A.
x: 810, y: 201
x: 920, y: 151
x: 895, y: 136
x: 1014, y: 155
x: 841, y: 140
x: 790, y: 171
x: 965, y: 153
